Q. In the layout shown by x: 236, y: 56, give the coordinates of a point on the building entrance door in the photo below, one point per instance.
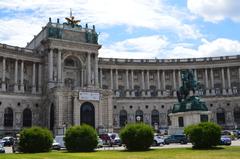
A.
x: 88, y: 114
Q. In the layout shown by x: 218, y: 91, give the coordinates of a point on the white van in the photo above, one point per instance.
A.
x: 59, y: 139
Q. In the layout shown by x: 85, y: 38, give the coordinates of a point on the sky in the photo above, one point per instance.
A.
x: 134, y: 29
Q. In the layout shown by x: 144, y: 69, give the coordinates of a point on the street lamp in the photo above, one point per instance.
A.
x: 138, y: 118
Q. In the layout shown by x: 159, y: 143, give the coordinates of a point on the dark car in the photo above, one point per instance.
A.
x: 8, y: 140
x: 182, y: 139
x: 225, y: 140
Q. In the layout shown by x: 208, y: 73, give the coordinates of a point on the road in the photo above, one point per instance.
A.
x: 234, y: 143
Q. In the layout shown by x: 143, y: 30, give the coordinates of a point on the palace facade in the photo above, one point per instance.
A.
x: 58, y: 80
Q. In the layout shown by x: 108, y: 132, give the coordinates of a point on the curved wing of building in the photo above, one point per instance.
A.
x: 58, y: 80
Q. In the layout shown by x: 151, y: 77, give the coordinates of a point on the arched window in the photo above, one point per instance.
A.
x: 69, y: 62
x: 236, y: 114
x: 220, y: 116
x: 27, y: 117
x: 123, y: 118
x: 8, y: 117
x: 155, y: 117
x: 139, y: 116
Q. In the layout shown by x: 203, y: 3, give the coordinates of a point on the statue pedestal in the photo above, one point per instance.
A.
x: 188, y: 118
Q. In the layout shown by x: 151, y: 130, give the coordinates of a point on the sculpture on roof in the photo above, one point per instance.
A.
x: 71, y: 21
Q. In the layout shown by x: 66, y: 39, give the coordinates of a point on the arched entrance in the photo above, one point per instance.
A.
x: 52, y: 117
x: 88, y: 114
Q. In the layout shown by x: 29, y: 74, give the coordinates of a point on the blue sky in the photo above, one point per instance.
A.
x: 134, y: 28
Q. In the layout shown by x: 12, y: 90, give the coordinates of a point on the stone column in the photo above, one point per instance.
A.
x: 40, y: 78
x: 111, y: 79
x: 132, y: 84
x: 206, y: 82
x: 239, y: 74
x: 179, y: 78
x: 174, y: 84
x: 100, y: 77
x: 89, y: 68
x: 22, y: 76
x: 223, y: 83
x: 16, y: 76
x: 76, y: 111
x: 148, y: 87
x: 116, y: 79
x: 4, y: 75
x: 196, y: 79
x: 158, y: 84
x: 81, y: 83
x: 143, y: 84
x: 127, y: 84
x: 212, y: 82
x: 96, y: 70
x: 33, y: 78
x: 59, y: 66
x: 229, y: 82
x: 50, y: 67
x: 163, y: 83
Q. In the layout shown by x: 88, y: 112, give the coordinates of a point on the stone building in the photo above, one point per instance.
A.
x: 58, y: 80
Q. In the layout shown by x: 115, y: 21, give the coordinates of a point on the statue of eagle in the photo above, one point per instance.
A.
x: 71, y: 20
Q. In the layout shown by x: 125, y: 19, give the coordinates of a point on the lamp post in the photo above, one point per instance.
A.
x: 138, y: 118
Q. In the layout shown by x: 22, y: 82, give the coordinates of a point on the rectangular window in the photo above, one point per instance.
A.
x: 180, y: 122
x: 204, y: 118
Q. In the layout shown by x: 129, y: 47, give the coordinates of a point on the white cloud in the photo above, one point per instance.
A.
x: 218, y: 47
x: 156, y: 46
x: 18, y: 32
x: 215, y: 10
x: 138, y: 48
x: 151, y: 14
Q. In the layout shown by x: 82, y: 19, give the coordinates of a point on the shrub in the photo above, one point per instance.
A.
x: 81, y: 138
x: 204, y: 135
x: 137, y: 137
x: 35, y: 139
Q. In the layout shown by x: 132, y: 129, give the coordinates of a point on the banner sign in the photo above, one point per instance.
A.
x: 89, y: 96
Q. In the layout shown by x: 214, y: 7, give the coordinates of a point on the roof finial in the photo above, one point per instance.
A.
x: 70, y: 12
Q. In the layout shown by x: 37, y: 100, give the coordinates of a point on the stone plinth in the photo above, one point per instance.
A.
x: 189, y: 118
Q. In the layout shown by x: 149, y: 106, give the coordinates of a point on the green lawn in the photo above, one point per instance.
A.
x: 177, y: 153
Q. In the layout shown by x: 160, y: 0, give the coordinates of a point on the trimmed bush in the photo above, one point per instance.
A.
x: 35, y: 139
x: 81, y: 138
x: 204, y: 135
x: 137, y: 137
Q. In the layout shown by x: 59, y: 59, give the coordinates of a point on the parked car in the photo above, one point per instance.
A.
x: 8, y: 140
x: 56, y: 145
x: 236, y: 133
x: 157, y: 140
x: 59, y: 139
x: 225, y: 140
x: 100, y: 143
x: 111, y: 139
x: 182, y: 139
x: 2, y: 150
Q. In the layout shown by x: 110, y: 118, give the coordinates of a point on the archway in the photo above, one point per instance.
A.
x: 155, y: 117
x: 220, y: 116
x: 123, y: 118
x: 52, y: 117
x: 8, y: 117
x: 27, y: 117
x: 236, y: 114
x: 139, y: 116
x: 88, y: 114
